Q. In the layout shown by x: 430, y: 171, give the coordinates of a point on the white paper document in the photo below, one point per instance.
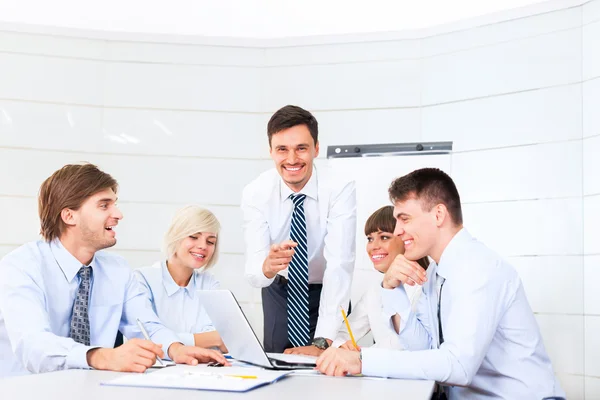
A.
x: 228, y: 379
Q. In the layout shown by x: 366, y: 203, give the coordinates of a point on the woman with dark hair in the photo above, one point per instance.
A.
x: 383, y: 247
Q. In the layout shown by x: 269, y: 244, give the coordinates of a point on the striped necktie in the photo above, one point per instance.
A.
x: 297, y: 303
x: 80, y: 322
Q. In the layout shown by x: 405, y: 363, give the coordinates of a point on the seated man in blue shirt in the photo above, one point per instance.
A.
x: 62, y: 300
x: 473, y: 329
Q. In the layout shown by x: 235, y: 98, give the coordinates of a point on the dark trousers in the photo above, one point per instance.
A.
x: 274, y: 300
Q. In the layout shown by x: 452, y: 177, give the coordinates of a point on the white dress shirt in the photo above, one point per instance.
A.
x: 330, y: 209
x: 177, y: 307
x: 367, y: 316
x: 38, y: 286
x: 492, y: 344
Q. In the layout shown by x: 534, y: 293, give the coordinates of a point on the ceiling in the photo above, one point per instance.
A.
x: 249, y: 18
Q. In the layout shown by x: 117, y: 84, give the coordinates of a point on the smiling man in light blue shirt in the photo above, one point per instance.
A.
x: 62, y: 300
x: 473, y: 329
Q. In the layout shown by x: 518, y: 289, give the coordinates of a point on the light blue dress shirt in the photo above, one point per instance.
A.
x: 38, y: 285
x: 492, y: 344
x: 178, y: 307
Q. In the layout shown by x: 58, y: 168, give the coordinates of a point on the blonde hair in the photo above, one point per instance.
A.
x: 189, y: 221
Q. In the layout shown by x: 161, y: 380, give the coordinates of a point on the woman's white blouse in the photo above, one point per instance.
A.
x: 367, y: 316
x: 177, y: 307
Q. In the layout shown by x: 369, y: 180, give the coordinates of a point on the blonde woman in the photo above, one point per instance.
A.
x: 191, y: 246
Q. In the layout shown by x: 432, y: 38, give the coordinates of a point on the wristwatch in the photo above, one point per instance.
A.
x: 320, y: 343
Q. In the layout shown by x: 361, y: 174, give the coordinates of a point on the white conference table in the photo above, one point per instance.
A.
x: 85, y: 385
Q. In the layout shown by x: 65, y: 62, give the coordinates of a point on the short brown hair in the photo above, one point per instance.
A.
x: 431, y: 185
x: 383, y: 220
x: 290, y: 116
x: 68, y: 187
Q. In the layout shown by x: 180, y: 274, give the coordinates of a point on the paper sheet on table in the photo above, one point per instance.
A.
x: 227, y: 379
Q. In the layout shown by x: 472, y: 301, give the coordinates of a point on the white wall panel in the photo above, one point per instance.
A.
x: 182, y: 87
x: 532, y: 63
x: 51, y: 79
x: 562, y: 335
x: 517, y: 228
x: 343, y: 86
x: 591, y: 279
x: 170, y: 53
x: 591, y: 165
x: 185, y: 133
x: 20, y: 221
x: 592, y: 344
x: 50, y: 126
x: 592, y: 387
x: 406, y: 49
x: 591, y: 55
x: 72, y: 47
x: 141, y: 178
x: 529, y: 172
x: 591, y: 218
x: 544, y: 275
x: 591, y: 11
x: 368, y: 126
x: 505, y: 31
x: 591, y: 116
x: 538, y: 116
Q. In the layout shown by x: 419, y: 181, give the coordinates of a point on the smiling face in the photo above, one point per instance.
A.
x: 195, y: 251
x: 293, y: 151
x: 95, y: 221
x: 382, y: 248
x: 418, y: 229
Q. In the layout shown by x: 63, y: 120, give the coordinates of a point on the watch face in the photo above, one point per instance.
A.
x: 321, y: 343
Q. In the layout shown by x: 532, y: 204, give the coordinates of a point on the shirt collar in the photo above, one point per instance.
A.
x: 171, y: 287
x: 453, y: 252
x: 69, y: 265
x: 310, y: 189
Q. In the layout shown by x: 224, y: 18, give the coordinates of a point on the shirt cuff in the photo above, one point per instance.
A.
x: 327, y: 329
x: 166, y: 338
x: 375, y: 361
x: 338, y: 342
x: 187, y: 339
x: 259, y: 280
x: 77, y: 357
x: 395, y: 301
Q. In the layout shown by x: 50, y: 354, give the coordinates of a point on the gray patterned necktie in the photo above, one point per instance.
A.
x: 80, y: 322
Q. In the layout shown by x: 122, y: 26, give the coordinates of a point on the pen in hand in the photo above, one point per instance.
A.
x: 147, y: 337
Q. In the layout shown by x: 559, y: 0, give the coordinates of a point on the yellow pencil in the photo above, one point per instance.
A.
x: 348, y: 327
x: 243, y: 376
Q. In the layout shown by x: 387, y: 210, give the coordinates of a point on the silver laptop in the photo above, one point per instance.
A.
x: 239, y: 337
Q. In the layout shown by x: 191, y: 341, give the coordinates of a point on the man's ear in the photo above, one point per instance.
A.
x: 441, y: 214
x: 68, y: 216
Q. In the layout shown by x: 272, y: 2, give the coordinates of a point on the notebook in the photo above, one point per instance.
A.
x: 225, y: 379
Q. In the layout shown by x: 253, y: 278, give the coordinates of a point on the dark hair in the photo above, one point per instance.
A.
x: 432, y: 186
x: 290, y: 116
x: 383, y: 220
x: 68, y: 187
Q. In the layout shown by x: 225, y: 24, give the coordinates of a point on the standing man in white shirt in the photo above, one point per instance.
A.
x: 299, y: 228
x: 473, y: 330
